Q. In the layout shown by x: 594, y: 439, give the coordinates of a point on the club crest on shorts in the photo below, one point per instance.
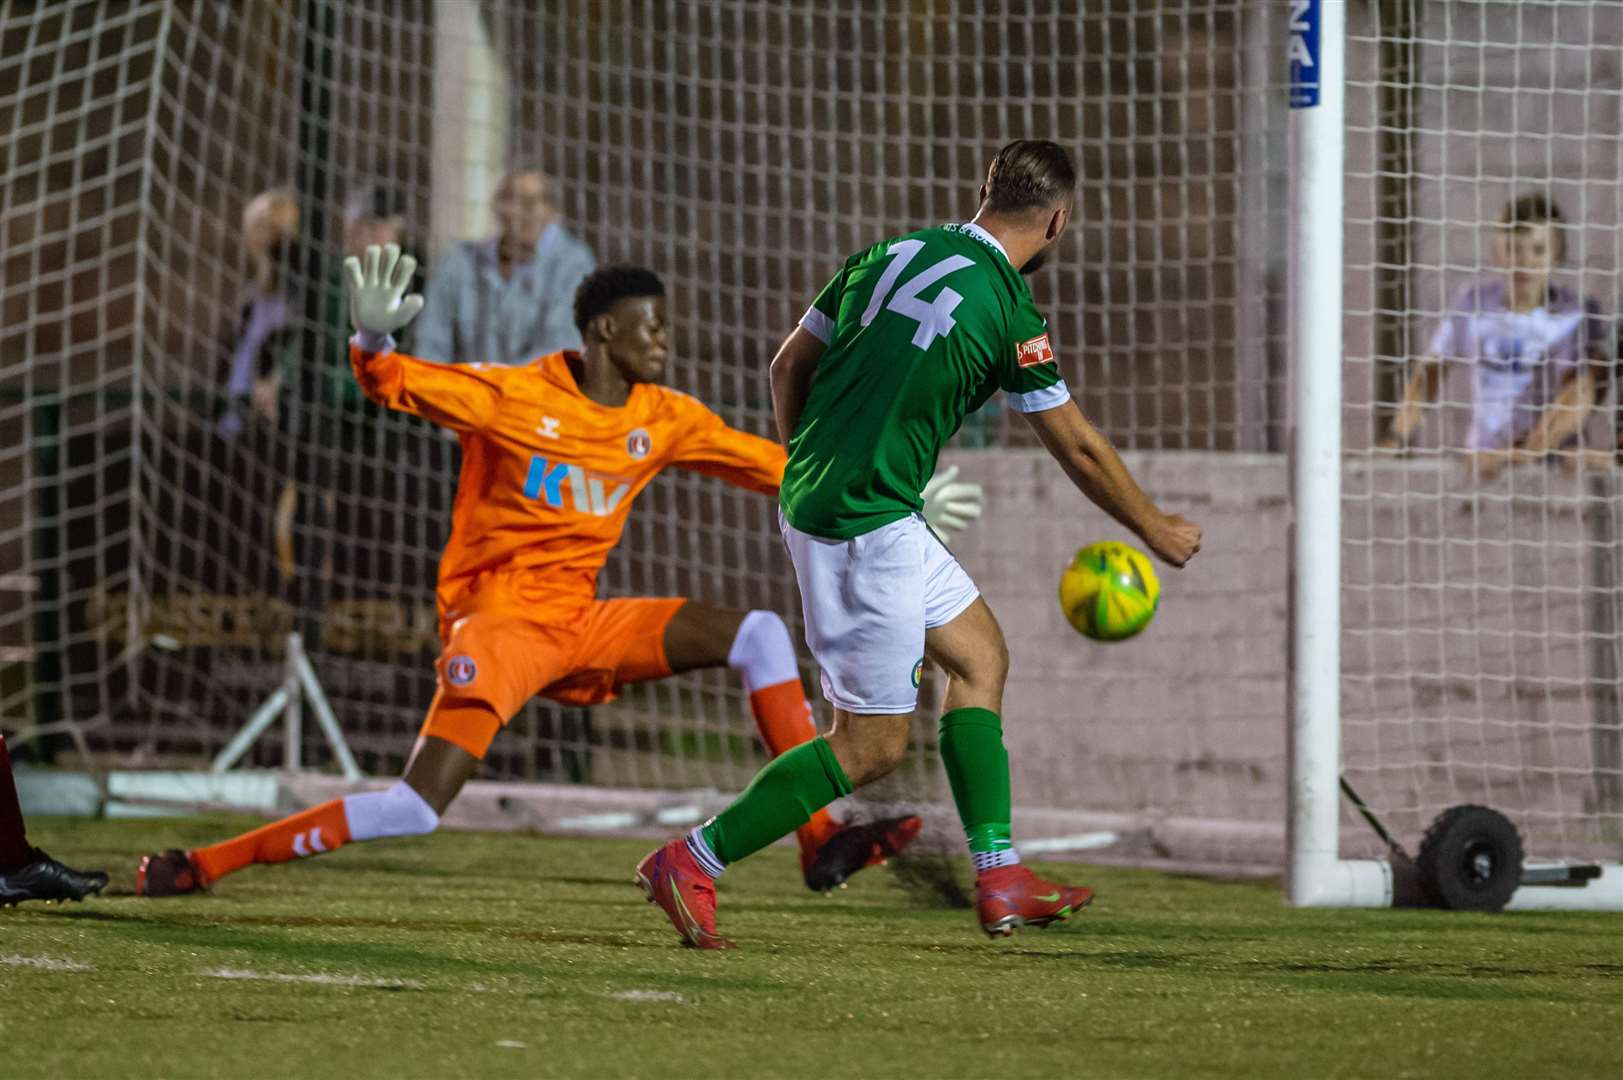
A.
x: 638, y: 443
x: 918, y: 673
x: 460, y: 670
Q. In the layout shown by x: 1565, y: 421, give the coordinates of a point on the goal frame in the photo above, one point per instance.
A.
x: 1316, y: 874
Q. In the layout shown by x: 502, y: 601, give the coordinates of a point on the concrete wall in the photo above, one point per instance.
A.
x: 1469, y: 651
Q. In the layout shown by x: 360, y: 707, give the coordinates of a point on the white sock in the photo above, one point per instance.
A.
x: 700, y: 850
x: 762, y: 653
x: 395, y: 811
x: 991, y: 860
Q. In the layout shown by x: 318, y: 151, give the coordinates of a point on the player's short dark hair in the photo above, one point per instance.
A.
x: 1536, y: 209
x: 607, y: 286
x: 1030, y: 174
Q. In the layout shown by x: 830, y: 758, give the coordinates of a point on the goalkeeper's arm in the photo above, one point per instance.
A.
x: 452, y: 395
x: 1099, y: 473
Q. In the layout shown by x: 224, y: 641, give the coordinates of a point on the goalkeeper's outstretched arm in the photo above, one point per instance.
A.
x: 452, y: 395
x: 1099, y: 473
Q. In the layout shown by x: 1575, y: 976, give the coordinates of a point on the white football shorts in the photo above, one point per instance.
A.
x: 868, y: 601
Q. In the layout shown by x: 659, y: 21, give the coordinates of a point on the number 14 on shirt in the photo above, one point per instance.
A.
x: 933, y: 316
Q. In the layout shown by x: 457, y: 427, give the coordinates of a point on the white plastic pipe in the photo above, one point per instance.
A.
x: 1604, y: 893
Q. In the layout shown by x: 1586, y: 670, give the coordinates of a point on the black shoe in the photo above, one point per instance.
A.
x: 48, y: 880
x: 858, y: 846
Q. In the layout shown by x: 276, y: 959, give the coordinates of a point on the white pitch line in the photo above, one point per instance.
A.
x: 648, y: 995
x: 322, y: 980
x: 44, y: 963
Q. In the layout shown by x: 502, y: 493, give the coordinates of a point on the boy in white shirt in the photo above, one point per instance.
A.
x: 1535, y: 350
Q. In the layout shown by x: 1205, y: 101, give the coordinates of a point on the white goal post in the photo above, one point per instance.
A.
x: 1317, y: 873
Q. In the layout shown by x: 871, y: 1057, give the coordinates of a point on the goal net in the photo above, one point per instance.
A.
x: 174, y: 504
x: 1480, y: 594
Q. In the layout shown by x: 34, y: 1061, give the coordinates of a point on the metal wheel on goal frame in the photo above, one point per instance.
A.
x: 1470, y: 859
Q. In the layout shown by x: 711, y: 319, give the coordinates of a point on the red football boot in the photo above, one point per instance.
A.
x: 672, y: 879
x: 854, y: 847
x: 1009, y: 897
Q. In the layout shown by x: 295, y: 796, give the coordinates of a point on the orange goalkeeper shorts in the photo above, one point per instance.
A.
x: 494, y: 661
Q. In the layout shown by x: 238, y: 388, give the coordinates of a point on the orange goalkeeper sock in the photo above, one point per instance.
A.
x: 309, y: 832
x: 784, y: 718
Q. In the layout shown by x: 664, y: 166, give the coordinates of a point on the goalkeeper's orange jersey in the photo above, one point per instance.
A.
x: 549, y: 475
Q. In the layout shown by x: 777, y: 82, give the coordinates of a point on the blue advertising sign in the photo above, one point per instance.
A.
x: 1304, y: 53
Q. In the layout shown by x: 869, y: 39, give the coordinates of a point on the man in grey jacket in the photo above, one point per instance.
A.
x: 508, y: 298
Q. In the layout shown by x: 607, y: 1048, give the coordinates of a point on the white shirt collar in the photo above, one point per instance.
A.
x: 985, y: 237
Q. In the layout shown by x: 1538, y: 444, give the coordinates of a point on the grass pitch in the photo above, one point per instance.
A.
x: 464, y: 955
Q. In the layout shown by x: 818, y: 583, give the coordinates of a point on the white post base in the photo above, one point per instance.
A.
x: 1330, y: 882
x: 1349, y: 883
x: 1604, y: 893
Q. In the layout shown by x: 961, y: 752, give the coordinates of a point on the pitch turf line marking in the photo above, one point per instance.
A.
x: 244, y: 974
x: 323, y: 980
x: 45, y: 963
x: 511, y: 1044
x: 648, y: 995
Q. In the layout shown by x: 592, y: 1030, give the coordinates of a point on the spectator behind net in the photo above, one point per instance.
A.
x: 264, y: 338
x: 507, y: 298
x: 1534, y: 349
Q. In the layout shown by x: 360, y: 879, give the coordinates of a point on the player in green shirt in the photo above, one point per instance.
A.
x: 910, y: 336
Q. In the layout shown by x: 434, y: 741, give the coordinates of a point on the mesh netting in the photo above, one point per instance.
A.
x: 1480, y: 656
x: 165, y: 521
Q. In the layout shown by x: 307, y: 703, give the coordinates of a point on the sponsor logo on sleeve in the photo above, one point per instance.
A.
x: 1034, y: 352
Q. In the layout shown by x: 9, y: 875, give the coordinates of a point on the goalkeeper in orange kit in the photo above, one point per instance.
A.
x: 554, y: 453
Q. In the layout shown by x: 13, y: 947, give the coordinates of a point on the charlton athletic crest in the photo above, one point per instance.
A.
x: 460, y: 670
x: 638, y: 443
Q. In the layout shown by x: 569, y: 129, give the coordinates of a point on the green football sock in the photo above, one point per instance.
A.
x: 782, y: 797
x: 978, y: 770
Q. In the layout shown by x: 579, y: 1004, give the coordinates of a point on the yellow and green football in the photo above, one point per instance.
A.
x: 1109, y: 592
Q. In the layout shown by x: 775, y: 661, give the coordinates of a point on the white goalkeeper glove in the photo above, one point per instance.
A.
x: 950, y: 506
x: 378, y: 304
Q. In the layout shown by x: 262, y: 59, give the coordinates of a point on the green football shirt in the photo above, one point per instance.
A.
x: 920, y: 331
